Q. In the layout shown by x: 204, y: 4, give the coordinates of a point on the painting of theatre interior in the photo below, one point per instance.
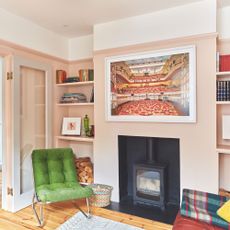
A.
x: 151, y: 86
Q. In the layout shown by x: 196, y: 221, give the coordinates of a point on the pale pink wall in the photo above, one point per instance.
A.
x: 199, y: 161
x: 198, y: 157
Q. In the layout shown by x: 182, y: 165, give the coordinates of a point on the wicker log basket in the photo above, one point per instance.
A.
x: 102, y: 195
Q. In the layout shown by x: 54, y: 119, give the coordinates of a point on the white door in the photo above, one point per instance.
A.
x: 31, y: 129
x: 1, y: 74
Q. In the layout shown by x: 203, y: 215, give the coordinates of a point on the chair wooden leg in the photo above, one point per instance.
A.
x: 41, y: 219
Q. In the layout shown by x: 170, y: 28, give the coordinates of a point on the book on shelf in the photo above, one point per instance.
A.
x: 86, y: 74
x: 223, y: 90
x: 217, y: 62
x: 224, y: 63
x: 92, y: 95
x: 60, y: 76
x: 73, y: 98
x: 227, y: 96
x: 72, y: 79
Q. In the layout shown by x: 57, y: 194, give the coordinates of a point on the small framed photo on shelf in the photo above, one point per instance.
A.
x: 71, y: 126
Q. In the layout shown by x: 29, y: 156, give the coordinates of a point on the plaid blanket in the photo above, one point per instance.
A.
x: 202, y: 206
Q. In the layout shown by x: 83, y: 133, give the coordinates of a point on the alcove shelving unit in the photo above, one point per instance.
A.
x: 223, y: 108
x: 81, y: 145
x: 223, y: 76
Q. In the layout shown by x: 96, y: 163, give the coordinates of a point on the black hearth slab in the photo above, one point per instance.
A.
x: 153, y: 213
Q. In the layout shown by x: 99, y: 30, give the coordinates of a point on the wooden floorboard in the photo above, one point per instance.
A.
x: 58, y: 213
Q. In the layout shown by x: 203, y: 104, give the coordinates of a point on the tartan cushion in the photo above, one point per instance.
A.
x: 202, y: 206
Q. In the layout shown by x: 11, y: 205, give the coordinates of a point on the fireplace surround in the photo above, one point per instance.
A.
x: 149, y: 171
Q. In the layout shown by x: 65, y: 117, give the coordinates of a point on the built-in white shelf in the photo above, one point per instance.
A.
x: 221, y: 74
x: 83, y: 183
x: 223, y: 149
x: 81, y: 83
x: 76, y: 138
x: 223, y: 102
x: 76, y: 104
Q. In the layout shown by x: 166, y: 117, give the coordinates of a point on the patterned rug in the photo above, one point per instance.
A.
x: 78, y: 221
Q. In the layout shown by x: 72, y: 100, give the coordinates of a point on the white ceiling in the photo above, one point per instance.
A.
x: 73, y: 18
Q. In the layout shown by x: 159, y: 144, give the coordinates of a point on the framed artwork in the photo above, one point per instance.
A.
x: 71, y: 126
x: 157, y: 86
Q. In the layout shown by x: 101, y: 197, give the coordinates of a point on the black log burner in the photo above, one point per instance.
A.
x: 149, y: 180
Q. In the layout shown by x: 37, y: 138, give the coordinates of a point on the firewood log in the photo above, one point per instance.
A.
x: 88, y: 169
x: 84, y: 168
x: 90, y: 180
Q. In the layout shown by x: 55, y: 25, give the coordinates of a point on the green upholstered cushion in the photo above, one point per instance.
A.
x: 62, y: 191
x: 55, y: 175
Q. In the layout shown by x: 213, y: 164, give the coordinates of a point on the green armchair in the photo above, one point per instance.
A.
x: 55, y: 179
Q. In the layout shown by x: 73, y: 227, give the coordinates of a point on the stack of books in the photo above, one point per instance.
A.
x: 86, y: 74
x: 72, y: 79
x: 223, y: 90
x: 73, y: 98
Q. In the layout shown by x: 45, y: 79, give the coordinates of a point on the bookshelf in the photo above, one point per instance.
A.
x: 223, y: 87
x: 75, y: 84
x: 76, y: 138
x: 221, y: 74
x: 223, y: 102
x: 223, y: 108
x: 82, y: 145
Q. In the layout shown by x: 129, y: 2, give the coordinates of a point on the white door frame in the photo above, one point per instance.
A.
x: 18, y: 201
x: 6, y: 158
x: 1, y: 107
x: 1, y: 127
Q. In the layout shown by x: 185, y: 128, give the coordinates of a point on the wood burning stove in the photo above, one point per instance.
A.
x: 149, y: 183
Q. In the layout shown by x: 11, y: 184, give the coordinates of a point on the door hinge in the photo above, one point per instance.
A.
x: 9, y: 191
x: 9, y: 75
